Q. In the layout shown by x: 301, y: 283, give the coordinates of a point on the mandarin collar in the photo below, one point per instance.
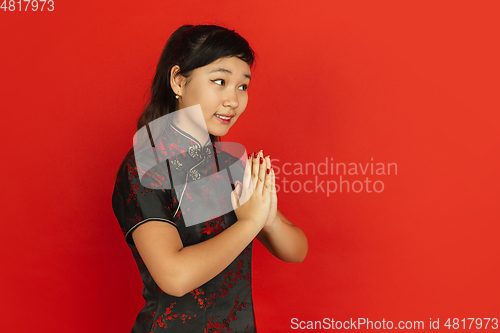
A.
x: 187, y: 149
x: 189, y: 139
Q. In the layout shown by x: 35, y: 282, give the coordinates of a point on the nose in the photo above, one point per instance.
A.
x: 231, y: 99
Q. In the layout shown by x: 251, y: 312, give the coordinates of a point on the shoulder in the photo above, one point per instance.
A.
x: 141, y: 170
x: 127, y: 170
x: 136, y: 180
x: 129, y: 179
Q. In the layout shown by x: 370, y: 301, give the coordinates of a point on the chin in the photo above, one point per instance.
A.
x: 219, y: 133
x: 219, y: 130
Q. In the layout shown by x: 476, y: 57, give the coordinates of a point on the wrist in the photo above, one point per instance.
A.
x: 270, y: 228
x: 254, y: 224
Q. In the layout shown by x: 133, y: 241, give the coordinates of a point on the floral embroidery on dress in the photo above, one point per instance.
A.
x: 198, y: 152
x: 194, y: 175
x: 176, y: 164
x: 195, y: 151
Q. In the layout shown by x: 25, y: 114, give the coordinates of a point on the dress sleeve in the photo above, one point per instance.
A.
x: 134, y: 204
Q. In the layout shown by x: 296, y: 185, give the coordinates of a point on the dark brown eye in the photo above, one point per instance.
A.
x: 218, y: 80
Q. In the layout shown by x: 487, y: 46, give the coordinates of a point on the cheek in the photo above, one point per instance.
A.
x: 197, y: 93
x: 210, y: 103
x: 237, y: 117
x: 243, y: 104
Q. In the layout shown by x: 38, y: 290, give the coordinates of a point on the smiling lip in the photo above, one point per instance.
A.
x: 224, y: 121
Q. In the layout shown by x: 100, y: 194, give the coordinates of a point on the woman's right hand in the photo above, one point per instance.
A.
x: 252, y: 199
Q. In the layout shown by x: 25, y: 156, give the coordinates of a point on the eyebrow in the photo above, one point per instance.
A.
x: 225, y: 70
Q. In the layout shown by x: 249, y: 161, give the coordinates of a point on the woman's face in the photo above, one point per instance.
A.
x: 219, y: 87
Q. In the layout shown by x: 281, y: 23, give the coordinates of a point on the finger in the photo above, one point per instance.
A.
x: 268, y: 182
x: 235, y: 201
x: 268, y: 161
x: 238, y: 188
x: 246, y: 187
x: 262, y: 173
x: 273, y: 187
x: 247, y: 176
x: 255, y: 169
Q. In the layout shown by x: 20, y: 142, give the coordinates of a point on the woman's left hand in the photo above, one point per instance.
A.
x: 271, y: 220
x: 254, y: 160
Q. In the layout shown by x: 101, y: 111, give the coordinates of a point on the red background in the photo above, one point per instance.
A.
x: 412, y: 83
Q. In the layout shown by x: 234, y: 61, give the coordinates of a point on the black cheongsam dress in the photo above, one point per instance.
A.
x: 223, y: 304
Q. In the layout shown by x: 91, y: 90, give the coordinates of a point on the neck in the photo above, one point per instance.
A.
x: 193, y: 129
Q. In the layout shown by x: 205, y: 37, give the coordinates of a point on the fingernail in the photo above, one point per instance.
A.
x: 249, y: 156
x: 255, y: 154
x: 261, y: 160
x: 268, y: 171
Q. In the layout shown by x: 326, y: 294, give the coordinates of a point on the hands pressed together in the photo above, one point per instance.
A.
x: 256, y: 198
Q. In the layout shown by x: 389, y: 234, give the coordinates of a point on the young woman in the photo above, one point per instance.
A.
x: 197, y: 276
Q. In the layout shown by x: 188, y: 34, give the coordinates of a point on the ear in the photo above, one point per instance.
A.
x: 177, y: 81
